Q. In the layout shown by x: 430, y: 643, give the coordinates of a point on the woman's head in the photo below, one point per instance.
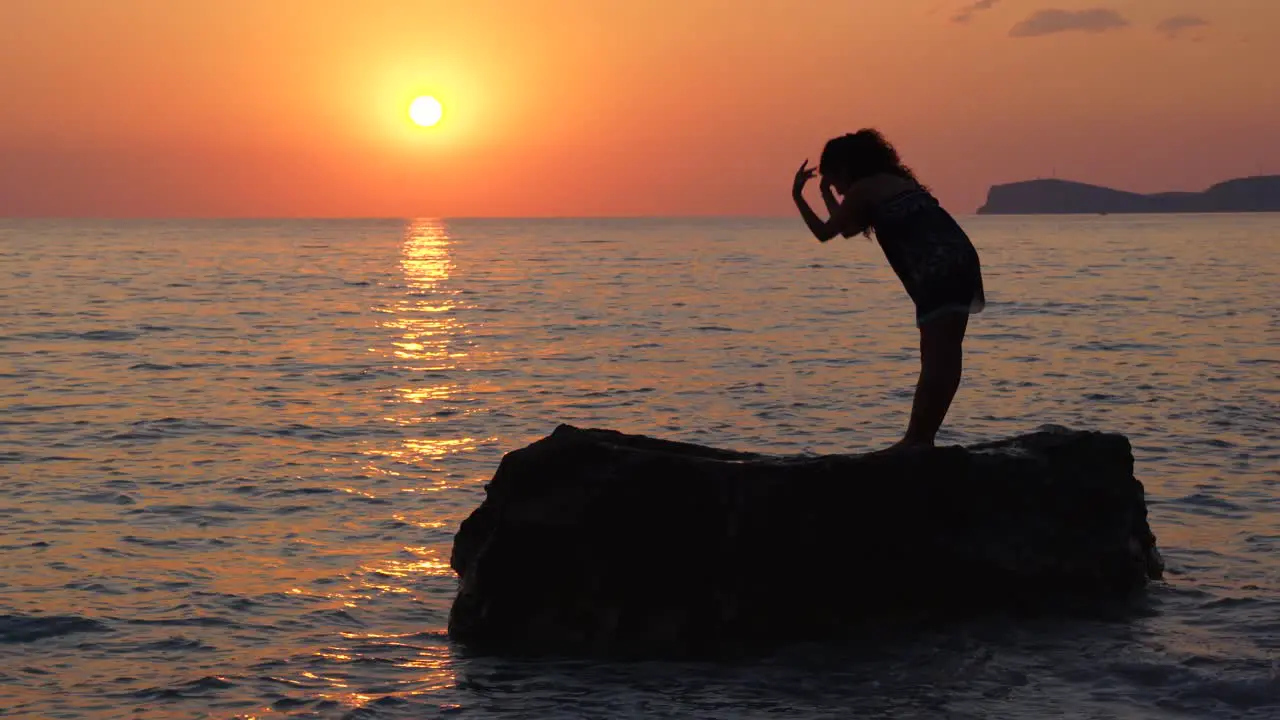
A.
x: 855, y: 156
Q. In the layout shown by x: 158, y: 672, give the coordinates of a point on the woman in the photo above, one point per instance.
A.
x: 925, y: 246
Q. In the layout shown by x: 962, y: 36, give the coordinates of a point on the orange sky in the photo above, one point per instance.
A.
x: 608, y: 107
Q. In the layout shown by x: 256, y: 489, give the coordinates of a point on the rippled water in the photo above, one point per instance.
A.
x: 234, y: 453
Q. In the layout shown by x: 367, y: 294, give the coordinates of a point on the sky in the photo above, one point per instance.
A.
x: 299, y: 108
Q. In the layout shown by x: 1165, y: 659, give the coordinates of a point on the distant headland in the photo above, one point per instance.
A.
x: 1056, y: 197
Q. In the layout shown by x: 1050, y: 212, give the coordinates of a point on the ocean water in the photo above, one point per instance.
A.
x: 233, y: 453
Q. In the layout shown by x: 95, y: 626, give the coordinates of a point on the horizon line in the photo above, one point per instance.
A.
x: 414, y: 216
x: 686, y: 216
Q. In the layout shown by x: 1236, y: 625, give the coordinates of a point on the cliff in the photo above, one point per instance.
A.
x: 1049, y: 197
x: 595, y: 542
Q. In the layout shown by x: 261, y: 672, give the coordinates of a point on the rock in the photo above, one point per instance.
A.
x: 599, y: 543
x: 1053, y: 196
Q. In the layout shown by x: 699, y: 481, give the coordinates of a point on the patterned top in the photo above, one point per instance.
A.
x: 929, y: 251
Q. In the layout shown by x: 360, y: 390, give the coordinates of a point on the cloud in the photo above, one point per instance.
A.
x: 1170, y: 27
x: 1048, y: 22
x: 966, y: 13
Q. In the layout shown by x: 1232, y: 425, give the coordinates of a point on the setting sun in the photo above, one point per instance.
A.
x: 426, y: 111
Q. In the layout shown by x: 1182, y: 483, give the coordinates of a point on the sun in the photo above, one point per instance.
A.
x: 426, y: 111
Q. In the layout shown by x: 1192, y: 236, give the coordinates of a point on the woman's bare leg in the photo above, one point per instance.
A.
x: 941, y: 362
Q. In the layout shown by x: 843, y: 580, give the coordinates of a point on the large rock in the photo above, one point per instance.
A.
x: 596, y: 542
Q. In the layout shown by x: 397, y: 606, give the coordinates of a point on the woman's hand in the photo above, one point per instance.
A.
x: 844, y: 214
x: 803, y: 175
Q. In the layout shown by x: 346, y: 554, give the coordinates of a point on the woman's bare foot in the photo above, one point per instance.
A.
x: 906, y: 443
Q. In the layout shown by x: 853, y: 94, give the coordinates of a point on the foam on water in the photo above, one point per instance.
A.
x: 234, y: 453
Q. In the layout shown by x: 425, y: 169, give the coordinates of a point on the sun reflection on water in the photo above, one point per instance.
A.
x: 430, y: 345
x: 424, y: 319
x: 427, y: 562
x: 431, y: 670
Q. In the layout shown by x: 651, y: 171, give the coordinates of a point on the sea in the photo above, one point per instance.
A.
x: 234, y: 453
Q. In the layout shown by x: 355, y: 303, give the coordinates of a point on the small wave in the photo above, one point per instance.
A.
x: 167, y: 427
x: 25, y: 545
x: 1193, y: 686
x: 1100, y: 346
x: 162, y: 543
x: 107, y: 498
x: 1046, y: 308
x: 60, y: 458
x: 29, y: 628
x: 307, y: 490
x: 207, y: 621
x: 1233, y: 602
x: 176, y: 642
x: 151, y: 366
x: 1111, y: 297
x: 353, y: 376
x: 1209, y: 502
x: 196, y: 688
x: 109, y: 335
x: 341, y: 617
x: 94, y: 588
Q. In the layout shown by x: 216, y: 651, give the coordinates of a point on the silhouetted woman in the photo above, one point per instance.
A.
x: 925, y: 246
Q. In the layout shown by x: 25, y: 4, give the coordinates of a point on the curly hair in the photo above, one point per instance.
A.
x: 863, y: 154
